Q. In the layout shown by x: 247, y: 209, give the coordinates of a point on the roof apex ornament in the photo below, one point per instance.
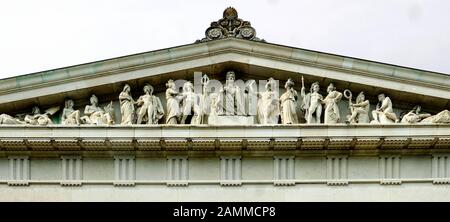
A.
x: 230, y: 26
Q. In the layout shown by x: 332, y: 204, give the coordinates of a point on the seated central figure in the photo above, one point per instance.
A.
x: 232, y: 96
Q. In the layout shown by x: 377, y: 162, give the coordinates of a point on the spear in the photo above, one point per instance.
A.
x: 303, y: 83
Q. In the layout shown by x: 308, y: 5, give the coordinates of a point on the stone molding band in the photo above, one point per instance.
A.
x: 265, y: 139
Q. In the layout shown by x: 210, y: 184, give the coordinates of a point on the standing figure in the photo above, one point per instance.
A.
x: 191, y: 105
x: 384, y: 113
x: 36, y: 118
x: 173, y: 107
x: 96, y: 115
x: 288, y: 102
x: 215, y: 108
x: 251, y: 98
x: 233, y: 96
x: 69, y: 115
x: 210, y: 100
x: 150, y: 107
x: 414, y: 116
x: 269, y: 110
x: 312, y: 103
x: 126, y: 106
x: 331, y: 114
x: 359, y: 109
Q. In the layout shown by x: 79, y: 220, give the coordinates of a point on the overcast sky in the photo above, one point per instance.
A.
x: 47, y: 34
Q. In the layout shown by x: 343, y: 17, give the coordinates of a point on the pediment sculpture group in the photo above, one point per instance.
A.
x: 189, y: 107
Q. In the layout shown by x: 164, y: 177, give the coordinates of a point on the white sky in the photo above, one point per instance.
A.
x: 46, y: 34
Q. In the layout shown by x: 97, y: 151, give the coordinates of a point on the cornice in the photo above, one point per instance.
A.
x: 261, y: 140
x: 194, y: 52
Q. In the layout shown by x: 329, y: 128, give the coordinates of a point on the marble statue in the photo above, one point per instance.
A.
x: 384, y: 113
x: 96, y: 115
x: 212, y: 106
x: 7, y: 119
x: 126, y: 106
x: 251, y: 97
x: 191, y: 105
x: 442, y: 117
x: 173, y: 107
x: 232, y: 97
x: 69, y: 115
x: 331, y: 112
x: 288, y: 104
x: 268, y: 105
x: 215, y: 108
x: 36, y: 118
x: 150, y: 108
x: 415, y: 115
x: 312, y: 103
x: 359, y: 110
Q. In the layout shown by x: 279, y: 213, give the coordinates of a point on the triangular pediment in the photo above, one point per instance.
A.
x: 250, y: 60
x: 230, y: 43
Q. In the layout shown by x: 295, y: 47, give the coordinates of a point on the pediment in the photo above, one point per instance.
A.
x: 230, y: 43
x: 250, y: 60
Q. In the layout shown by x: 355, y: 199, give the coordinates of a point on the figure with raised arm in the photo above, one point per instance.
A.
x: 359, y: 109
x: 331, y: 114
x: 384, y: 113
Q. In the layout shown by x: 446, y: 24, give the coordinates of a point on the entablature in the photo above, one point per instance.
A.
x: 300, y: 139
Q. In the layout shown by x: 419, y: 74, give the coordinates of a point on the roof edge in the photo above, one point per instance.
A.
x: 161, y: 55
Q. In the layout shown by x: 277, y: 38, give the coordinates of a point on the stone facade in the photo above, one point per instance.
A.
x: 157, y: 131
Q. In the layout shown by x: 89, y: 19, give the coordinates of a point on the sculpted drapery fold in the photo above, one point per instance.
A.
x: 126, y: 106
x: 288, y: 103
x: 242, y: 102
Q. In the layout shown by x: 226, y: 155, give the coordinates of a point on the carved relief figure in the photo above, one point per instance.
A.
x: 312, y: 103
x: 210, y: 100
x: 150, y: 108
x: 331, y: 114
x: 69, y: 115
x: 215, y: 108
x: 288, y: 103
x: 173, y: 107
x: 359, y: 110
x: 442, y: 117
x: 251, y: 98
x: 96, y: 115
x: 268, y: 107
x: 384, y: 112
x: 233, y: 97
x: 126, y: 106
x: 191, y: 104
x: 415, y: 115
x: 36, y: 118
x: 7, y: 119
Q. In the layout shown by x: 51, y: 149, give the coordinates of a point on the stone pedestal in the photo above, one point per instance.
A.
x: 231, y: 120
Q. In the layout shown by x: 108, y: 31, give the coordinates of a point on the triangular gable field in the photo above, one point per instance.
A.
x: 230, y: 109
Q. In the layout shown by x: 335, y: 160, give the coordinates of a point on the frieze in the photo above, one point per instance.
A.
x: 210, y: 102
